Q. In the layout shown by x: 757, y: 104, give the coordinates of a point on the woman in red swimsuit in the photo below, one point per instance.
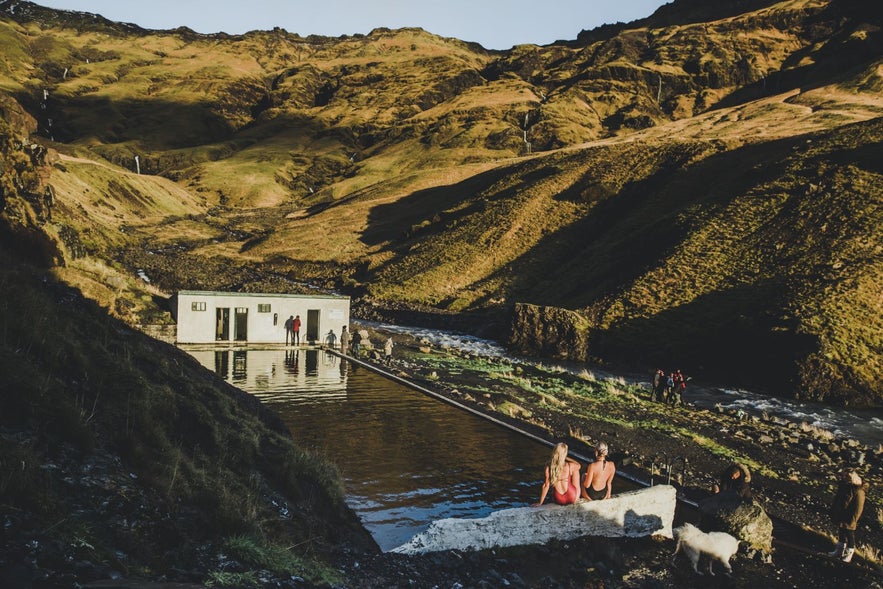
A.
x: 562, y: 475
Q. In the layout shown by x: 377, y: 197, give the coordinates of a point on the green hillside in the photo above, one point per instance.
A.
x: 701, y: 187
x: 124, y: 452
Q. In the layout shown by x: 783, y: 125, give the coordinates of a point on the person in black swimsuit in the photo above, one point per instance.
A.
x: 598, y: 483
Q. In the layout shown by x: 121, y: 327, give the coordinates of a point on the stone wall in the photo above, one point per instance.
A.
x: 164, y: 333
x: 644, y: 512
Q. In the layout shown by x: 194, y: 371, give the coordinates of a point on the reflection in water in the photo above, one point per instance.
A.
x: 406, y: 459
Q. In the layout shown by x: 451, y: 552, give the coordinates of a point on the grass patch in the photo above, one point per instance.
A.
x: 256, y: 555
x: 513, y: 410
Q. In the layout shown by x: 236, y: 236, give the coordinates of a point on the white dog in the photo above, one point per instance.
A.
x: 694, y: 542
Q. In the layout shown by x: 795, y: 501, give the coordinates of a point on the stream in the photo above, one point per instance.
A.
x: 865, y: 425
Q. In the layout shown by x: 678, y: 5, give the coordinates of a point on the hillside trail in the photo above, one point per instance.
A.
x: 107, y: 166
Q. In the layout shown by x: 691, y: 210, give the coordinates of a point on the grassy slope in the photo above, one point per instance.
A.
x: 122, y: 452
x: 82, y: 391
x: 389, y: 162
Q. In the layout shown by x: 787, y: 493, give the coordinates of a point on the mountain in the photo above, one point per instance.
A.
x: 699, y: 189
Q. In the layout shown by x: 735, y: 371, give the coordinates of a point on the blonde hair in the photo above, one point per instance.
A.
x: 601, y: 449
x: 855, y: 479
x: 556, y: 465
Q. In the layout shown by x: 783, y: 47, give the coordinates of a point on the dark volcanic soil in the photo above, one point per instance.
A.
x: 794, y: 486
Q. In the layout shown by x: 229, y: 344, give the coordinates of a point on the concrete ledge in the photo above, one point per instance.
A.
x: 645, y: 512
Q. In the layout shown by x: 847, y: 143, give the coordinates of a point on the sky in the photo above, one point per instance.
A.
x: 495, y: 24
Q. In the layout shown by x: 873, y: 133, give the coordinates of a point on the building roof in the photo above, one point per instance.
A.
x: 217, y: 293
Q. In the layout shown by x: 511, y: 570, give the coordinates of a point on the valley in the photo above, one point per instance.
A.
x: 699, y: 188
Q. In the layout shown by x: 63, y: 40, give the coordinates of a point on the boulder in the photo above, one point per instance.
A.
x: 746, y: 520
x: 549, y: 331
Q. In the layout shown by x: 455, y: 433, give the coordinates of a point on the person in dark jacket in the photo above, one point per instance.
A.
x: 658, y: 385
x: 357, y: 343
x: 736, y: 478
x: 846, y: 509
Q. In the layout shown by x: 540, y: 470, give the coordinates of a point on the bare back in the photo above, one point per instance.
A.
x: 599, y: 475
x: 570, y: 476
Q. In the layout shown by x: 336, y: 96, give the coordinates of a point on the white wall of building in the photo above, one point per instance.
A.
x: 257, y: 318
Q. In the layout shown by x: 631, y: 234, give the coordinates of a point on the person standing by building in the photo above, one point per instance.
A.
x: 846, y: 509
x: 289, y: 326
x: 295, y: 331
x: 344, y: 340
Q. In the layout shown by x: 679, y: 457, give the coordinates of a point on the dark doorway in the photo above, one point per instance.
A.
x: 313, y: 325
x: 240, y: 325
x: 222, y: 324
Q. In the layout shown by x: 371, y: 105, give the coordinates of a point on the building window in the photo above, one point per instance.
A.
x: 264, y: 308
x: 197, y: 306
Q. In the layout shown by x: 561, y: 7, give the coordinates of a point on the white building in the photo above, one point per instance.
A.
x: 213, y: 317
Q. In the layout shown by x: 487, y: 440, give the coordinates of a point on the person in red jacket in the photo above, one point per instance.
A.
x: 295, y: 331
x: 680, y: 386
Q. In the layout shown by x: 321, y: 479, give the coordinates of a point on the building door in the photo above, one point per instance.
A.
x: 312, y: 325
x: 240, y: 324
x: 222, y: 324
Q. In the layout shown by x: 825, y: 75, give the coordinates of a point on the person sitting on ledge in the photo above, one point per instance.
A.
x: 736, y: 478
x: 562, y: 474
x: 598, y: 483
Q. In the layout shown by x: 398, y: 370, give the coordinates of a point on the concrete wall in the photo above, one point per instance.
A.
x: 200, y: 326
x: 644, y: 512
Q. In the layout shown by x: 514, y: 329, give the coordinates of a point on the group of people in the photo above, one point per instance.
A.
x: 669, y: 388
x: 348, y: 343
x: 292, y: 330
x: 562, y: 477
x: 352, y: 343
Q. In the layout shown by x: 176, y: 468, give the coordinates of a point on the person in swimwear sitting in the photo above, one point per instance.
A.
x: 562, y: 475
x: 599, y: 475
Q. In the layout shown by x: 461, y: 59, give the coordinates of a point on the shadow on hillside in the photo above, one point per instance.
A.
x: 734, y: 335
x: 626, y: 234
x: 839, y: 59
x: 155, y: 124
x: 434, y: 209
